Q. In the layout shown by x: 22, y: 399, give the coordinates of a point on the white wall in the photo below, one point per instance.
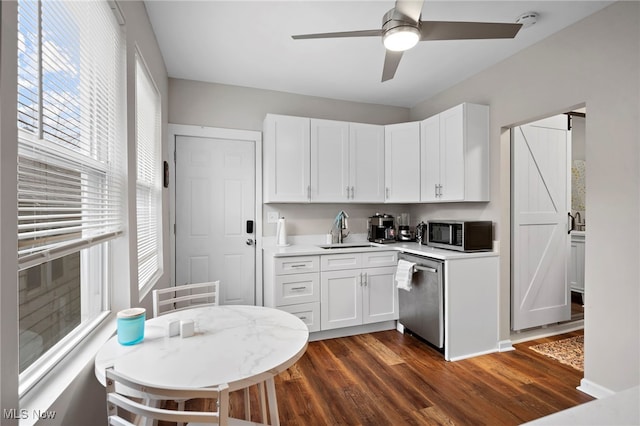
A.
x: 596, y: 63
x: 8, y: 218
x: 218, y: 105
x: 235, y: 107
x: 578, y: 138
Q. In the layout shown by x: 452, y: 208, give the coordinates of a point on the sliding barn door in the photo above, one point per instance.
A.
x: 540, y: 208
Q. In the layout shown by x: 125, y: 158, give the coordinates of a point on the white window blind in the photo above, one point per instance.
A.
x: 70, y: 161
x: 149, y: 176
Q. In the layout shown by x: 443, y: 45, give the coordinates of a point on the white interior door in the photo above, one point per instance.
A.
x: 540, y: 228
x: 215, y: 197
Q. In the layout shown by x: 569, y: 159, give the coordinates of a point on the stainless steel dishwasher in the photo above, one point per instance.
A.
x: 422, y: 308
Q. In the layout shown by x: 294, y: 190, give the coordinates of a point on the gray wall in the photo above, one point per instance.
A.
x: 594, y: 63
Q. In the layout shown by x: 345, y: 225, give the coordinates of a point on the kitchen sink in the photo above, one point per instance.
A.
x: 346, y: 246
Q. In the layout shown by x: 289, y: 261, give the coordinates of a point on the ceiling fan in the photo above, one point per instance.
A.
x: 402, y: 29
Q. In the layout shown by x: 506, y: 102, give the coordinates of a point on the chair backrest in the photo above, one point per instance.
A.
x: 118, y: 402
x: 185, y: 296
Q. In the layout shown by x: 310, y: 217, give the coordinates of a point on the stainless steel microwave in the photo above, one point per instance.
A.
x: 460, y: 235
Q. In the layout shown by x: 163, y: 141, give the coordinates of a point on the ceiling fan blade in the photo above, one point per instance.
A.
x: 444, y: 30
x: 410, y: 8
x: 391, y: 61
x: 362, y: 33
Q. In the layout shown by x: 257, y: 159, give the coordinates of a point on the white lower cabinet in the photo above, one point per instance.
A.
x: 309, y: 313
x: 334, y: 291
x: 356, y: 296
x: 576, y: 263
x: 296, y: 288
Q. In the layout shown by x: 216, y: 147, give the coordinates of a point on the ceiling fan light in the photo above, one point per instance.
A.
x: 400, y: 39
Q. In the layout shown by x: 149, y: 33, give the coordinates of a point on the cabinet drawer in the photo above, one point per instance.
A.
x: 335, y: 262
x: 296, y: 264
x: 297, y: 288
x: 309, y: 313
x: 373, y: 259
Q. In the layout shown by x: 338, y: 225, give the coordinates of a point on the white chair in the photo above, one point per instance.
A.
x: 185, y: 296
x: 194, y: 295
x: 118, y: 403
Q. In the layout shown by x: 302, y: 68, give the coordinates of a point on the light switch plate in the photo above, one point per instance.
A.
x: 272, y: 217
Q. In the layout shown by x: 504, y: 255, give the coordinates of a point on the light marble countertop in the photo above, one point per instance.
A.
x: 233, y: 344
x: 311, y: 247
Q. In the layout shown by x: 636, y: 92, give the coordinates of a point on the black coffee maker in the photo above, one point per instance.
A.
x: 381, y: 228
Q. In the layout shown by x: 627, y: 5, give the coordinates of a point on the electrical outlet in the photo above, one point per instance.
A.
x: 272, y: 217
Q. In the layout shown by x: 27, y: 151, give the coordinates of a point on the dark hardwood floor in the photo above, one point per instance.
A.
x: 388, y: 378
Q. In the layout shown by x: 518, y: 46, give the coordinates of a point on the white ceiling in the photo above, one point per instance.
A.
x: 248, y: 43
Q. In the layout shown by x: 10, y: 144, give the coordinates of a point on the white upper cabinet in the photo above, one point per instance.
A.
x: 441, y: 159
x: 366, y: 159
x: 329, y: 161
x: 286, y: 156
x: 455, y: 155
x: 347, y: 162
x: 402, y: 163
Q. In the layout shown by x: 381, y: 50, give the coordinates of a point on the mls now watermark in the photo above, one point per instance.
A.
x: 23, y: 414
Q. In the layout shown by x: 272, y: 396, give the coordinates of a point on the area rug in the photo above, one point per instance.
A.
x: 567, y: 351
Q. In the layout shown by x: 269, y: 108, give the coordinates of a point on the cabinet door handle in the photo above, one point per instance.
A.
x: 435, y: 190
x: 365, y: 279
x: 348, y: 193
x: 387, y: 192
x: 352, y: 193
x: 300, y: 265
x: 440, y: 191
x: 361, y: 279
x: 298, y: 288
x: 309, y: 192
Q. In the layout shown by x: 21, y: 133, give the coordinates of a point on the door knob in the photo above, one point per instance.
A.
x: 250, y: 242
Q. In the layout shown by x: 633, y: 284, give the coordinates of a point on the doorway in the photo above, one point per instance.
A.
x: 216, y: 210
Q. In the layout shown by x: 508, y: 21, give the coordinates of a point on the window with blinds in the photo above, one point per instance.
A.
x: 70, y: 170
x: 69, y: 158
x: 149, y: 176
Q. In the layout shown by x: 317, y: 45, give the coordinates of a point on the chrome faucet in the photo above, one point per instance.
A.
x: 340, y: 223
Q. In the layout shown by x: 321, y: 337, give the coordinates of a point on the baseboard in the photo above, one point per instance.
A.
x: 472, y: 355
x: 505, y: 346
x: 541, y: 332
x: 594, y: 389
x: 352, y: 331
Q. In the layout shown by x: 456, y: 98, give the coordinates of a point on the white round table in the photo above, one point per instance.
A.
x: 234, y: 344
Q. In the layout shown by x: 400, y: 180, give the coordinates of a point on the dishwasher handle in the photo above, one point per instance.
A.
x: 426, y: 269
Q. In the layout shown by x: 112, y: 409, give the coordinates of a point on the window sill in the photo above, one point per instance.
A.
x: 44, y: 394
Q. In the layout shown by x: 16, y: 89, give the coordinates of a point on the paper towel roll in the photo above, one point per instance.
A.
x: 281, y: 232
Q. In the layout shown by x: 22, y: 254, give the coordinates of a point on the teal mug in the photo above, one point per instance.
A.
x: 131, y: 326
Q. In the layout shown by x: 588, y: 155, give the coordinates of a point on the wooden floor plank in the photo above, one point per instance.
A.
x: 388, y: 378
